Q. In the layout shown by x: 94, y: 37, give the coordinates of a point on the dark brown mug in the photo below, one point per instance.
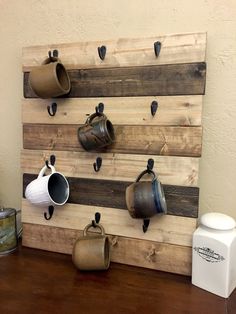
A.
x: 50, y: 79
x: 92, y: 251
x: 97, y: 132
x: 144, y: 199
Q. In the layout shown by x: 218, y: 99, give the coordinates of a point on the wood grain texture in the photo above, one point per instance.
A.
x: 163, y: 228
x: 156, y: 140
x: 171, y: 170
x: 53, y: 285
x: 176, y: 48
x: 149, y: 254
x: 181, y: 201
x: 164, y: 80
x: 172, y: 110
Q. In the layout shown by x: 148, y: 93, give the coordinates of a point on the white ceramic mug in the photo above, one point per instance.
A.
x: 52, y: 189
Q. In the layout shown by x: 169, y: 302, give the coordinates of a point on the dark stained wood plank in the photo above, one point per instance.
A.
x: 156, y: 140
x: 181, y: 201
x: 163, y: 80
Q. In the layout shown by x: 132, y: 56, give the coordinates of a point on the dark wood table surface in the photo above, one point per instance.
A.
x: 34, y: 281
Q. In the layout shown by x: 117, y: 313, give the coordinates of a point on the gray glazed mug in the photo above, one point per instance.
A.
x: 98, y: 132
x: 50, y: 79
x: 92, y: 251
x: 144, y: 199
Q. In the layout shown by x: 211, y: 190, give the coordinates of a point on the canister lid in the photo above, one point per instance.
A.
x: 217, y: 221
x: 7, y: 212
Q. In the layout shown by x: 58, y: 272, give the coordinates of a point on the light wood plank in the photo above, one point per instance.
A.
x: 149, y: 254
x: 119, y: 167
x: 176, y: 48
x: 166, y: 228
x: 153, y: 140
x: 172, y: 110
x: 164, y: 80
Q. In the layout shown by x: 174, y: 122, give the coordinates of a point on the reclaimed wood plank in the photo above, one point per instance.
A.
x: 142, y: 253
x: 160, y: 80
x: 176, y: 48
x: 172, y: 110
x: 157, y: 140
x: 163, y: 228
x: 171, y: 170
x: 181, y: 201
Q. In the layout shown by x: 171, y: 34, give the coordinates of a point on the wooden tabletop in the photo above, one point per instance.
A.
x: 34, y: 281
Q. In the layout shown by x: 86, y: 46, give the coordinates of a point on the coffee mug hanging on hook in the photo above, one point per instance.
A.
x: 97, y: 132
x: 144, y: 199
x: 50, y: 79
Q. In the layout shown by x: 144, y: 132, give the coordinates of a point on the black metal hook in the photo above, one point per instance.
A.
x: 97, y: 165
x: 150, y: 164
x: 102, y: 52
x: 154, y: 106
x: 52, y: 109
x: 52, y: 161
x: 53, y: 54
x: 99, y: 108
x: 146, y: 223
x: 157, y: 48
x: 96, y: 220
x: 48, y: 215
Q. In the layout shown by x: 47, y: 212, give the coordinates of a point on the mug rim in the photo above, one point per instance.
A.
x: 68, y: 189
x: 56, y: 77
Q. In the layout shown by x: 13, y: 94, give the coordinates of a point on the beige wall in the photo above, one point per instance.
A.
x: 32, y: 22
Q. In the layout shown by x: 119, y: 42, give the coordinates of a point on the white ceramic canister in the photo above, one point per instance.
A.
x: 214, y: 254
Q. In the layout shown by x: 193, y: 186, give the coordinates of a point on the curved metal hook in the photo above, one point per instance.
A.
x: 157, y: 48
x: 97, y: 165
x: 154, y: 106
x: 99, y: 108
x: 50, y: 212
x: 145, y: 224
x: 52, y: 161
x: 53, y: 54
x: 52, y: 109
x: 102, y: 52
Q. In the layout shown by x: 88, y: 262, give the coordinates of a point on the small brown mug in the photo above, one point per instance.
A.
x: 144, y: 199
x: 92, y: 252
x: 50, y: 79
x: 97, y: 132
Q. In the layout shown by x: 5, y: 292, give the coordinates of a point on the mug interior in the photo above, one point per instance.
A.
x: 106, y: 253
x: 62, y: 76
x: 58, y: 188
x: 110, y: 129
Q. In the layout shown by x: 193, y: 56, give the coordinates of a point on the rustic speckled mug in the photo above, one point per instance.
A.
x: 144, y: 199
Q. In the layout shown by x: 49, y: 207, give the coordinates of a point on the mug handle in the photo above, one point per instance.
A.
x: 145, y: 172
x: 93, y: 116
x: 43, y: 170
x: 86, y: 229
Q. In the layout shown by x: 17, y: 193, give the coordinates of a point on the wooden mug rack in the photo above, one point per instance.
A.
x: 127, y: 80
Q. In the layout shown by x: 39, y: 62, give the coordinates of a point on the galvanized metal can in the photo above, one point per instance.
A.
x: 8, y: 230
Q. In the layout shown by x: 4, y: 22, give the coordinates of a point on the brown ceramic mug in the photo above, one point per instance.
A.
x: 50, y: 79
x: 144, y: 199
x: 92, y: 251
x: 97, y: 132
